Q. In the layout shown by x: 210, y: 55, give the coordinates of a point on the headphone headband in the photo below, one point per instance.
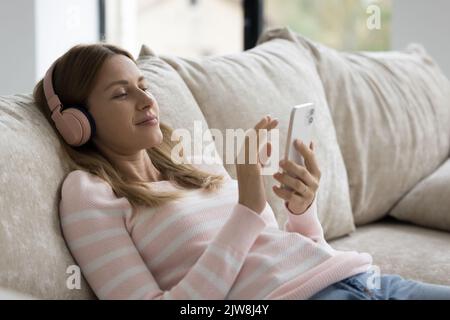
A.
x: 52, y: 99
x: 75, y: 124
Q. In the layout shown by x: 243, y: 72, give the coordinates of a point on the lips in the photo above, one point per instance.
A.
x: 147, y: 118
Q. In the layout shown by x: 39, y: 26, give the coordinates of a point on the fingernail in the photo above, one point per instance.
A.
x: 299, y: 142
x: 282, y: 162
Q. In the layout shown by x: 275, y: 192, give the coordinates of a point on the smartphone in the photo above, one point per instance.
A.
x: 300, y: 127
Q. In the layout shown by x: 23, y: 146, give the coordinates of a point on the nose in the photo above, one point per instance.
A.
x: 148, y: 101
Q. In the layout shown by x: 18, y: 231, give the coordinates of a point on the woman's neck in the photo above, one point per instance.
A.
x: 135, y: 167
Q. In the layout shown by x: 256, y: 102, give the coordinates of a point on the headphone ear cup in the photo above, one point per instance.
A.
x: 79, y: 126
x: 90, y: 119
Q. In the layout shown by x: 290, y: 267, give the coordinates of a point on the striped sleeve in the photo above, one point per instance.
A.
x: 307, y: 223
x: 93, y: 225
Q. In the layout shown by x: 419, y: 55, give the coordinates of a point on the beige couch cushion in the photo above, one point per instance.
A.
x: 236, y: 90
x: 34, y: 256
x: 428, y: 203
x: 177, y: 106
x: 399, y: 248
x: 391, y: 111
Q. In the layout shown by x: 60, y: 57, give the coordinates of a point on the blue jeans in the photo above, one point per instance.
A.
x: 366, y: 286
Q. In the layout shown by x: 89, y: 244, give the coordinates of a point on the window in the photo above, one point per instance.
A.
x: 341, y: 24
x: 188, y: 28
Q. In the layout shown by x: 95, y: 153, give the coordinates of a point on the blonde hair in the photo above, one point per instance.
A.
x: 73, y: 79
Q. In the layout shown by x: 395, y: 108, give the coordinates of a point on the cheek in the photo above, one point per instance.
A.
x: 114, y: 123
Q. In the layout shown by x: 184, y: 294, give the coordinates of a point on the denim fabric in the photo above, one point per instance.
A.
x: 367, y: 286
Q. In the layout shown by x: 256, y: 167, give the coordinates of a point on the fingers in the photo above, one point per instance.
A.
x: 272, y: 124
x: 264, y: 148
x: 261, y: 123
x: 265, y: 154
x: 266, y: 123
x: 287, y: 195
x: 309, y: 156
x: 296, y: 184
x: 269, y: 149
x: 298, y: 171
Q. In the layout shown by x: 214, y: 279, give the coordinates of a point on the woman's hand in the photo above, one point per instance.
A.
x: 250, y: 181
x: 303, y: 181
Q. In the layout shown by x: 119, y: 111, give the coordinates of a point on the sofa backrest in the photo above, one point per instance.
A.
x: 391, y: 111
x: 34, y: 256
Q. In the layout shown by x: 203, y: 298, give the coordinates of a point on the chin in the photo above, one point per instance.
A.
x: 156, y: 139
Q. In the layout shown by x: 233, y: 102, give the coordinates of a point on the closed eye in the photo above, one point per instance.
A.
x: 120, y: 95
x: 124, y: 94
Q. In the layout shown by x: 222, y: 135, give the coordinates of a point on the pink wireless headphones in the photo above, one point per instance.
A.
x: 75, y: 124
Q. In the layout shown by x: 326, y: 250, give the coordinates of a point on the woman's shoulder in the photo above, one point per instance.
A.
x: 82, y: 190
x: 84, y: 181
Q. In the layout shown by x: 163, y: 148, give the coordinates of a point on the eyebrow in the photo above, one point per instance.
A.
x: 121, y: 82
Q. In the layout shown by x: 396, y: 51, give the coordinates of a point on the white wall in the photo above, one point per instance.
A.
x: 121, y: 24
x: 33, y: 33
x: 425, y: 22
x: 17, y: 63
x: 62, y: 24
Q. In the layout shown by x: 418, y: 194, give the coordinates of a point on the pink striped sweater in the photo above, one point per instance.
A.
x: 205, y: 246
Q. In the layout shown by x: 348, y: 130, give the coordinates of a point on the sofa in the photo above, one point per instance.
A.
x: 382, y: 140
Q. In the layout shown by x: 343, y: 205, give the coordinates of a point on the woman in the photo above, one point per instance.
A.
x: 143, y: 227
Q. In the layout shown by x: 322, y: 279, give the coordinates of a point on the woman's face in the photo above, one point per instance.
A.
x: 117, y: 107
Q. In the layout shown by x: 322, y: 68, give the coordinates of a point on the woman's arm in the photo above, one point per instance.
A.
x: 307, y: 223
x: 93, y: 224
